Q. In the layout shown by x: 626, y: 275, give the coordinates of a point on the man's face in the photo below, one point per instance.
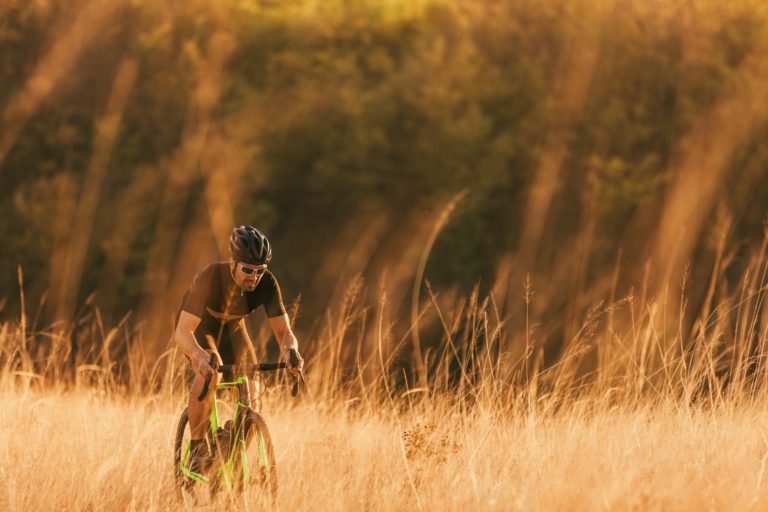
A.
x: 246, y: 276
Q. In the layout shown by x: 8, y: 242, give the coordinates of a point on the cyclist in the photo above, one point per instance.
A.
x: 212, y: 316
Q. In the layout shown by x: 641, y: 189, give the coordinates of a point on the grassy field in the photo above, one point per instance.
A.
x: 652, y: 429
x: 81, y: 450
x: 645, y: 408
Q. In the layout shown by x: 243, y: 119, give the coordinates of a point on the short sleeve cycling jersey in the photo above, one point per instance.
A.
x: 217, y: 300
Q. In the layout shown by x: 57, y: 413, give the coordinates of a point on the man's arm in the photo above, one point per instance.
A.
x: 281, y: 327
x: 185, y: 338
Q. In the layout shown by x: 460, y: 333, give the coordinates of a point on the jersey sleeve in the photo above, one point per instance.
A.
x: 199, y: 293
x: 273, y: 303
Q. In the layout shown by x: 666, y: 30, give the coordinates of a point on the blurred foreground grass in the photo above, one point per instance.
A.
x: 81, y: 450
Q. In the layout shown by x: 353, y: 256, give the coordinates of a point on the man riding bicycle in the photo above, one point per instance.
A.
x: 212, y: 316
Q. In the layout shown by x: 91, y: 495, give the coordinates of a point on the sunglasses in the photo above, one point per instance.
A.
x: 257, y: 271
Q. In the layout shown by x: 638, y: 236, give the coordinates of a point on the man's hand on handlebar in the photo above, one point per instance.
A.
x: 295, y: 361
x: 202, y: 363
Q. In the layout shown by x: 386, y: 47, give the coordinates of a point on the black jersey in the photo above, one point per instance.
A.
x: 221, y: 304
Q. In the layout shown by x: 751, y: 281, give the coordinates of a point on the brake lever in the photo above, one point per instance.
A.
x: 297, y: 379
x: 294, y: 361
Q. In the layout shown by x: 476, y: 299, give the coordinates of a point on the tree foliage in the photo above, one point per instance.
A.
x: 331, y: 115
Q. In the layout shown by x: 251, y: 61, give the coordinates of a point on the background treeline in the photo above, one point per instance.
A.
x: 553, y: 153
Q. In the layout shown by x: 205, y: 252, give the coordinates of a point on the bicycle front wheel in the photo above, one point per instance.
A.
x: 181, y: 452
x: 184, y: 478
x: 254, y: 455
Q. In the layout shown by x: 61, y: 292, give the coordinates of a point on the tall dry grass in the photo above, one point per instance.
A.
x: 639, y: 412
x: 651, y: 403
x: 82, y: 451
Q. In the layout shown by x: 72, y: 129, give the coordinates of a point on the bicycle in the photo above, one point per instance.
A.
x: 236, y: 461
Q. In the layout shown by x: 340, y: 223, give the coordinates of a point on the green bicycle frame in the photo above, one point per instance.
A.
x: 226, y: 472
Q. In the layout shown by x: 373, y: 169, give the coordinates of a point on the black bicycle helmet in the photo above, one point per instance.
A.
x: 249, y: 245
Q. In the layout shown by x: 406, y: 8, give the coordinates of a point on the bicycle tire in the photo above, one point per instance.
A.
x: 178, y: 477
x: 260, y: 453
x: 184, y: 483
